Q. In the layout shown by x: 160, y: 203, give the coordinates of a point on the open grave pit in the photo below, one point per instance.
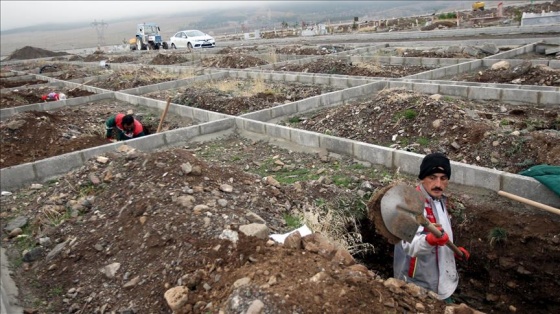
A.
x: 371, y: 68
x: 233, y: 61
x: 138, y: 76
x: 35, y: 135
x: 10, y: 83
x: 30, y: 95
x: 238, y: 96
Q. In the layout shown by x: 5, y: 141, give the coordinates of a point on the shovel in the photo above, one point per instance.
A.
x: 402, y: 210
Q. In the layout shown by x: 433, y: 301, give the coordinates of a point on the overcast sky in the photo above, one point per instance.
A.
x: 16, y: 14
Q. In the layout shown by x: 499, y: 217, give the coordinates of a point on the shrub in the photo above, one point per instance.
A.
x: 497, y: 236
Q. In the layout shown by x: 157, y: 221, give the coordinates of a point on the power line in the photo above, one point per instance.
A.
x: 100, y: 29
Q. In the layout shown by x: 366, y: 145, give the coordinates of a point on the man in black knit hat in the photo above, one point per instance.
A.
x: 426, y: 261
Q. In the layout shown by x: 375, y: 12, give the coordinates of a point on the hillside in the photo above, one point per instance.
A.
x: 265, y: 15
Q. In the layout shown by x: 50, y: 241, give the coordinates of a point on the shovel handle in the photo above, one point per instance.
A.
x: 530, y: 202
x: 435, y: 231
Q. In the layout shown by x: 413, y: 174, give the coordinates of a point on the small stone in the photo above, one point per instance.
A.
x: 435, y: 97
x: 15, y: 232
x: 133, y: 282
x: 492, y: 297
x: 226, y: 188
x: 102, y: 159
x: 256, y: 307
x: 241, y: 282
x: 177, y: 297
x: 110, y: 270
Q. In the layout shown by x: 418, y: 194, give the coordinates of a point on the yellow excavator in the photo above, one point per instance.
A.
x: 479, y: 5
x: 132, y: 43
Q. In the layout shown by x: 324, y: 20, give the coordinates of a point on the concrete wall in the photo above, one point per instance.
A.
x: 545, y: 18
x: 261, y: 123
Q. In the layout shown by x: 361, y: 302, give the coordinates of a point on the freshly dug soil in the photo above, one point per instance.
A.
x: 29, y: 52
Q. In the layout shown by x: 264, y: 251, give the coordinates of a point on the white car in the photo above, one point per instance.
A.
x: 191, y: 39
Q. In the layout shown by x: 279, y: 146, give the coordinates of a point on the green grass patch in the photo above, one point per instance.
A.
x: 51, y: 182
x: 293, y: 222
x: 294, y: 120
x: 515, y: 147
x: 342, y: 180
x: 285, y: 176
x: 423, y: 141
x: 497, y: 236
x: 17, y: 262
x: 319, y: 202
x: 56, y: 291
x: 404, y: 141
x: 89, y: 189
x: 292, y: 176
x: 25, y: 241
x: 408, y: 114
x: 357, y: 166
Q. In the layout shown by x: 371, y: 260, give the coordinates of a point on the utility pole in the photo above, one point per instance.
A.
x: 100, y: 29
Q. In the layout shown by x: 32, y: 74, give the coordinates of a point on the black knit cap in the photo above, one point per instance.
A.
x: 435, y: 163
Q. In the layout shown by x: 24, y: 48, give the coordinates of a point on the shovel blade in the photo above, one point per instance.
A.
x: 399, y: 207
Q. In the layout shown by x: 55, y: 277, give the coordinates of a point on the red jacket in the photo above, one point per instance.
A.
x: 116, y: 121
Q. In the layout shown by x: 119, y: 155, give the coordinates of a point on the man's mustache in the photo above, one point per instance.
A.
x: 437, y: 189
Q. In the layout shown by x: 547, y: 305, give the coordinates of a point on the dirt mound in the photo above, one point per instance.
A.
x: 343, y: 67
x: 125, y: 253
x: 4, y: 83
x: 96, y: 56
x: 523, y: 74
x: 439, y: 25
x: 18, y: 133
x: 117, y: 234
x: 234, y: 50
x: 121, y: 59
x: 490, y: 134
x: 431, y: 53
x: 229, y: 102
x: 29, y: 52
x: 299, y: 50
x: 31, y: 136
x: 76, y: 58
x: 233, y: 61
x: 166, y: 59
x: 125, y: 79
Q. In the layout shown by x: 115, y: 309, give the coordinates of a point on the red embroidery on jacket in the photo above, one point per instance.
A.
x: 430, y: 216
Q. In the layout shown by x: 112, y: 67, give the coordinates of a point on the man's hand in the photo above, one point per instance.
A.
x: 433, y: 240
x: 465, y: 256
x: 110, y: 139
